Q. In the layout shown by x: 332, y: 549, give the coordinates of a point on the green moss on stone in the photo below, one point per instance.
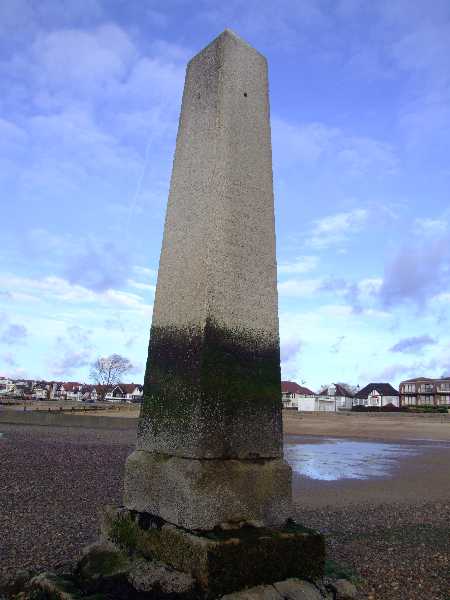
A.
x: 100, y: 563
x: 226, y: 561
x: 125, y: 532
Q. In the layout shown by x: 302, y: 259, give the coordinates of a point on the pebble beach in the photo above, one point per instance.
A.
x: 54, y: 479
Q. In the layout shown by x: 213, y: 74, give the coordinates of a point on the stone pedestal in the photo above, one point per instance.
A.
x: 219, y: 561
x: 203, y: 494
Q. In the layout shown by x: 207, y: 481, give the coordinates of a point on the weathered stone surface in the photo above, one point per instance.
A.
x: 344, y: 590
x: 201, y: 494
x: 296, y: 589
x: 260, y: 592
x: 220, y: 561
x: 54, y: 587
x: 102, y: 560
x: 13, y: 583
x: 147, y: 576
x: 214, y: 364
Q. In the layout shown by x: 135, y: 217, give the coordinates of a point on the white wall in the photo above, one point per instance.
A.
x: 307, y: 403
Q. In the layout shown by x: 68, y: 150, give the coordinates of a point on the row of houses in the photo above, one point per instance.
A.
x: 421, y: 391
x: 71, y: 391
x: 336, y: 397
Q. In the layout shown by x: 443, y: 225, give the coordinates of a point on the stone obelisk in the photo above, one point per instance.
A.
x: 207, y: 492
x: 209, y: 449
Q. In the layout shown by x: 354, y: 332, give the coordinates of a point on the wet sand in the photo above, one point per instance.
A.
x: 372, y: 426
x: 422, y: 476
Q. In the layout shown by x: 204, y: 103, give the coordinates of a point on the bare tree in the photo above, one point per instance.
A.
x: 349, y: 388
x: 107, y: 371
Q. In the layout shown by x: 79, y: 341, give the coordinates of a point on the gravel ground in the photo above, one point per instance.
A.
x: 52, y: 481
x: 398, y: 552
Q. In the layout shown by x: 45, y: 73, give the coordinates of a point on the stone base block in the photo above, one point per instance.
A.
x: 220, y: 562
x: 206, y: 493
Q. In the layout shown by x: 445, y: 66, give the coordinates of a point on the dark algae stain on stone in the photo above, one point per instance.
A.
x: 206, y: 386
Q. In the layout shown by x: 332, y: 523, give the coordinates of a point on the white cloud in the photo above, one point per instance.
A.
x: 59, y: 289
x: 369, y: 288
x: 145, y: 271
x: 359, y: 155
x: 302, y: 264
x: 82, y: 61
x: 334, y: 148
x: 306, y: 142
x: 335, y: 229
x: 430, y: 227
x: 297, y: 288
x: 141, y: 286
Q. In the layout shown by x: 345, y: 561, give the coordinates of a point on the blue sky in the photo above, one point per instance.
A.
x: 360, y: 107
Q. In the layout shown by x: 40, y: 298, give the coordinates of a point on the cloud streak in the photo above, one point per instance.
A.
x: 413, y: 345
x: 14, y: 334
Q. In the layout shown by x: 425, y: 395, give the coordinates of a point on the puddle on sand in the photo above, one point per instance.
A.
x: 334, y: 459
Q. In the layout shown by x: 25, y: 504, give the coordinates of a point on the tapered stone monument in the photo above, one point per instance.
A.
x: 212, y: 400
x: 207, y: 491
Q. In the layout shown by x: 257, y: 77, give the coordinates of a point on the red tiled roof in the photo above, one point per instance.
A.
x: 291, y: 387
x: 71, y: 387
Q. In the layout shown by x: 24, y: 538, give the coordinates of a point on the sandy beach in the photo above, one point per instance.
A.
x: 391, y: 531
x: 374, y: 426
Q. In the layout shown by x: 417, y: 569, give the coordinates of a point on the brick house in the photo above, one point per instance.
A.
x: 423, y: 391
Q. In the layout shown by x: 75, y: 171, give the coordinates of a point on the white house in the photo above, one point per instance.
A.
x: 40, y: 392
x: 125, y: 392
x: 6, y: 386
x: 296, y: 396
x: 377, y: 394
x: 71, y: 391
x: 334, y: 397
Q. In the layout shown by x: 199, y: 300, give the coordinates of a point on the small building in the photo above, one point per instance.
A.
x: 40, y: 391
x: 296, y: 396
x: 6, y: 386
x: 71, y: 391
x: 23, y: 388
x: 377, y: 394
x: 125, y: 392
x: 333, y: 398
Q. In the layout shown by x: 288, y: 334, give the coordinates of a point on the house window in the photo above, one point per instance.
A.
x: 426, y: 387
x: 425, y: 399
